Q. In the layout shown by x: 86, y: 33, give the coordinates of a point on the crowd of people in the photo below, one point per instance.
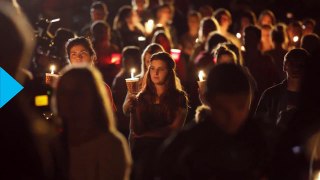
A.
x: 210, y: 102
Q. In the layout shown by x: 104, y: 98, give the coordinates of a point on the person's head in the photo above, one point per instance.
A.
x: 100, y: 31
x: 224, y: 18
x: 295, y: 62
x: 223, y: 55
x: 278, y: 35
x: 247, y: 18
x: 266, y: 34
x: 308, y: 26
x: 99, y: 11
x: 207, y: 25
x: 16, y: 41
x: 311, y: 43
x: 164, y: 14
x: 147, y: 53
x: 80, y: 50
x: 161, y: 72
x: 267, y: 17
x: 161, y: 38
x: 131, y: 58
x: 81, y: 100
x: 194, y: 19
x: 125, y: 16
x: 62, y: 35
x: 214, y: 39
x: 252, y: 37
x: 235, y: 50
x: 228, y: 94
x: 140, y: 5
x: 206, y: 11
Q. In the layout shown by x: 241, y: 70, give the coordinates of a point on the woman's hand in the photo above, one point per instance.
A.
x: 129, y: 103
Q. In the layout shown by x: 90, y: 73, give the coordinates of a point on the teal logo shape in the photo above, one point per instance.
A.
x: 9, y: 87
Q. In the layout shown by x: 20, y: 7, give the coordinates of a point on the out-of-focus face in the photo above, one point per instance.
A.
x: 225, y: 58
x: 230, y: 111
x: 225, y: 21
x: 158, y: 72
x: 97, y: 14
x: 266, y: 35
x: 294, y: 69
x: 194, y: 23
x: 139, y: 3
x: 79, y: 54
x: 266, y: 20
x: 245, y: 22
x: 164, y: 15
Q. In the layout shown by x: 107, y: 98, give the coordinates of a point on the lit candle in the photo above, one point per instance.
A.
x: 133, y: 70
x: 55, y: 20
x: 201, y: 75
x: 52, y: 69
x: 238, y: 35
x: 295, y: 38
x: 317, y: 176
x: 243, y: 48
x: 149, y: 26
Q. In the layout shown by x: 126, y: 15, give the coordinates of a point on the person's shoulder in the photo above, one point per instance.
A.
x: 274, y: 91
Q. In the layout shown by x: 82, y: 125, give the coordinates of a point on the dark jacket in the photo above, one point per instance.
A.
x: 204, y: 151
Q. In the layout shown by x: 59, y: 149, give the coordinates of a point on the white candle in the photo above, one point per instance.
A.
x: 149, y: 26
x: 295, y: 38
x: 201, y: 75
x: 133, y: 70
x: 52, y: 69
x: 238, y: 35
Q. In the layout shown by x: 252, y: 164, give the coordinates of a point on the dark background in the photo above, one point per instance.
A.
x: 75, y: 13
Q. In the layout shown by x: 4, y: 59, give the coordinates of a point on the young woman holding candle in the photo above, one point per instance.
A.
x: 159, y: 110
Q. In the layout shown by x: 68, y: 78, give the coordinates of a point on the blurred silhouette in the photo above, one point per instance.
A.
x: 94, y: 149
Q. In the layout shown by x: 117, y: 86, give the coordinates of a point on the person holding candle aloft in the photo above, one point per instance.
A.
x: 159, y: 110
x: 145, y: 62
x: 130, y: 61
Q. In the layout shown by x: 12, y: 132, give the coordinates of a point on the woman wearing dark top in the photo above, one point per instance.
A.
x: 127, y: 28
x: 159, y: 110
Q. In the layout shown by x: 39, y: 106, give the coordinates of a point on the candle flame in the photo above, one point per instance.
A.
x: 201, y: 75
x: 133, y: 70
x: 52, y: 69
x: 238, y: 35
x: 55, y: 20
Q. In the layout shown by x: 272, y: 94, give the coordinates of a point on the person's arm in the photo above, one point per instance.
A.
x: 136, y: 124
x: 177, y: 123
x: 111, y: 98
x: 128, y: 103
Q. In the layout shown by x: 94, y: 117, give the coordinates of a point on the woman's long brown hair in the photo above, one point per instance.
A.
x: 173, y: 96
